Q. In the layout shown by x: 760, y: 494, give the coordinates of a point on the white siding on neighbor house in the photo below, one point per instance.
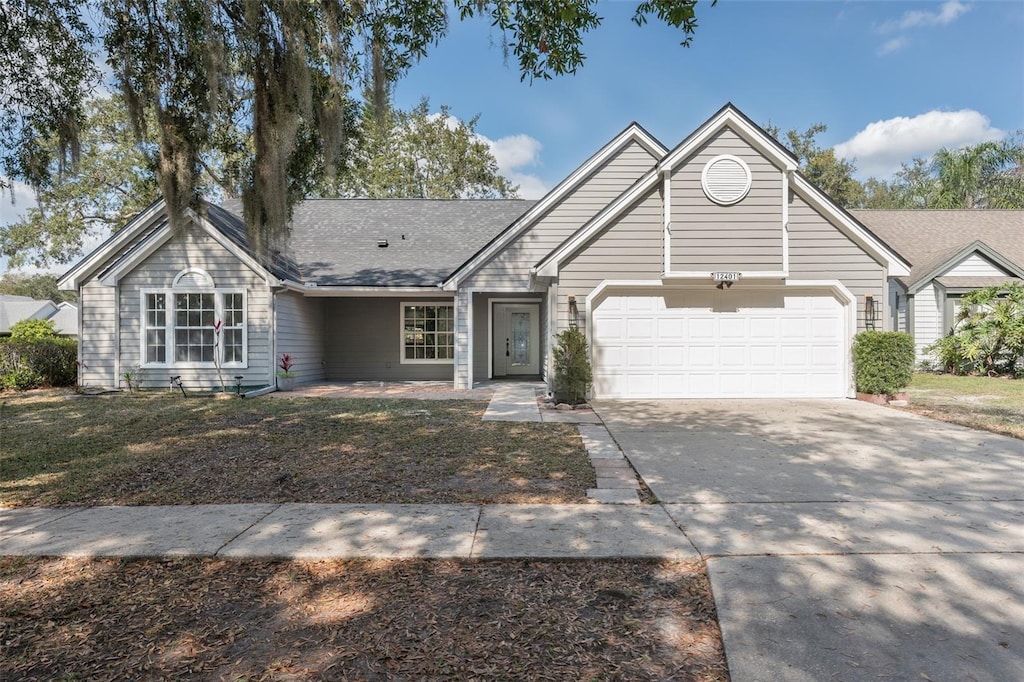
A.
x: 195, y: 249
x: 818, y: 250
x: 630, y: 248
x: 300, y: 333
x: 897, y: 307
x: 96, y: 341
x: 928, y: 312
x: 511, y: 267
x: 743, y: 236
x: 975, y: 265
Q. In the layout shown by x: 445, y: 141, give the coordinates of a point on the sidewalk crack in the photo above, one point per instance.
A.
x: 247, y: 529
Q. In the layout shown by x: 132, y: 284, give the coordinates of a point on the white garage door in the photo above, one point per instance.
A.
x: 723, y: 344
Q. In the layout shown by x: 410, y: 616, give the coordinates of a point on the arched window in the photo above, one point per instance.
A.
x: 193, y: 324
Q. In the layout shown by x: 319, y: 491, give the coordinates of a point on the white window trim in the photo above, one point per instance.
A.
x: 401, y: 334
x: 218, y: 303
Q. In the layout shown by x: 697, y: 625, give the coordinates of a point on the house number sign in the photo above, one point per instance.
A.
x: 725, y: 276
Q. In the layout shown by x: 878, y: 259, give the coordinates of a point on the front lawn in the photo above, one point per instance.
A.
x: 57, y: 448
x: 112, y: 619
x: 990, y: 403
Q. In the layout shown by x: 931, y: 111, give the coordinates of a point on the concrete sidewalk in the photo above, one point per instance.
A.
x: 321, y: 531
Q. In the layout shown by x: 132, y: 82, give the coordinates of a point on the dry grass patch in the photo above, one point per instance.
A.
x: 358, y: 620
x: 993, y: 404
x: 60, y: 449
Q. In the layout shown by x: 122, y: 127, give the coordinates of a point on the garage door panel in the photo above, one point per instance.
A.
x: 740, y: 348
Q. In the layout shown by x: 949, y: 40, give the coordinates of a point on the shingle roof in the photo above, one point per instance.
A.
x: 335, y: 242
x: 927, y: 238
x: 14, y: 309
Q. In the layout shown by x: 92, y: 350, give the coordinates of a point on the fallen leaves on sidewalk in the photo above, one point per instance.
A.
x: 359, y: 620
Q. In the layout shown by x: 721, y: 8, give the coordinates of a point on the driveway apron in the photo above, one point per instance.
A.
x: 844, y: 541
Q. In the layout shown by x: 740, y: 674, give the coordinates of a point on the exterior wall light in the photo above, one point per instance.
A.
x: 574, y: 313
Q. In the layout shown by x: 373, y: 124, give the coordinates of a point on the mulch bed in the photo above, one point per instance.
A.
x: 112, y: 619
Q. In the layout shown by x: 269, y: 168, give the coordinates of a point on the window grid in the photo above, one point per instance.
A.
x: 428, y: 333
x: 178, y: 328
x: 156, y: 328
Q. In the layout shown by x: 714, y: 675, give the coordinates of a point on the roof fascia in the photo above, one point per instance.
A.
x: 548, y: 267
x: 895, y: 264
x: 731, y: 117
x: 976, y: 246
x: 72, y: 279
x: 634, y: 132
x: 362, y: 291
x: 130, y: 260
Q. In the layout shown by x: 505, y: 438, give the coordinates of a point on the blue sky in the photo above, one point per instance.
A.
x: 907, y: 77
x: 891, y: 80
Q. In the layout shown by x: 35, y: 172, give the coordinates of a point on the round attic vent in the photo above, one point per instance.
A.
x: 725, y: 179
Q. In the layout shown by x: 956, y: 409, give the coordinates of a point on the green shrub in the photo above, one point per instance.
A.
x: 32, y: 330
x: 883, y: 362
x: 572, y: 367
x: 44, y: 362
x: 987, y: 335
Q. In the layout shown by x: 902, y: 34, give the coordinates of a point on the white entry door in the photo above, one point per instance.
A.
x: 516, y: 337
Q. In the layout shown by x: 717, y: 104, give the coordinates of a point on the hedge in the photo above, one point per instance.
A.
x: 883, y: 362
x: 43, y: 362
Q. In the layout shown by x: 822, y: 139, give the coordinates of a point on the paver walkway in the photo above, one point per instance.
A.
x: 319, y: 531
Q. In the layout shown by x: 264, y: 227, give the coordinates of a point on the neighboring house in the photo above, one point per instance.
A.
x: 714, y: 269
x: 14, y: 309
x: 951, y: 253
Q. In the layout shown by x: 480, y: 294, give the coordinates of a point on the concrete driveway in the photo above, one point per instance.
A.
x: 845, y: 541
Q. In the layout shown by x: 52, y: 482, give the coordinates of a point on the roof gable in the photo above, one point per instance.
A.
x: 633, y: 133
x: 728, y: 117
x: 933, y: 241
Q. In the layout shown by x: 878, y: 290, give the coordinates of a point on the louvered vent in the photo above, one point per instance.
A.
x: 725, y: 179
x: 193, y: 279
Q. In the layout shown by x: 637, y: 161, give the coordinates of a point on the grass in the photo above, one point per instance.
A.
x: 62, y: 449
x: 74, y: 619
x: 993, y: 404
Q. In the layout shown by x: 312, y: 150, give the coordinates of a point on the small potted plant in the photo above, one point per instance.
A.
x: 285, y: 375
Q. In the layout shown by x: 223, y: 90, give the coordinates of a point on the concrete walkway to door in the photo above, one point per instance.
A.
x: 844, y: 541
x: 514, y: 401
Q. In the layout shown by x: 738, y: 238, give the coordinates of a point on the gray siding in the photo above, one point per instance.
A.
x: 512, y: 266
x: 819, y: 250
x: 196, y: 250
x: 96, y: 342
x: 929, y: 303
x: 631, y: 248
x: 300, y: 333
x: 744, y: 236
x: 897, y: 307
x: 363, y: 342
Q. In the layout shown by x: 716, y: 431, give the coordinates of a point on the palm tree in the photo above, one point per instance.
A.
x: 986, y: 175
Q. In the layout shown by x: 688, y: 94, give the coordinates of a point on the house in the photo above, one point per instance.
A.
x: 712, y: 269
x: 950, y: 253
x: 14, y: 309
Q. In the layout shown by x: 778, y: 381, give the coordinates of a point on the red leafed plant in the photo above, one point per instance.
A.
x: 286, y: 365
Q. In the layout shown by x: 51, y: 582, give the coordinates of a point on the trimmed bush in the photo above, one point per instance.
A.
x: 572, y: 367
x: 33, y: 330
x: 45, y: 362
x: 883, y: 362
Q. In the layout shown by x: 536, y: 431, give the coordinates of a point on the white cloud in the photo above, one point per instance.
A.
x: 515, y: 153
x: 24, y: 199
x: 948, y: 12
x: 882, y: 146
x: 894, y: 45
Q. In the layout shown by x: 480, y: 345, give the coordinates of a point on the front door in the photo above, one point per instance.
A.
x: 516, y: 339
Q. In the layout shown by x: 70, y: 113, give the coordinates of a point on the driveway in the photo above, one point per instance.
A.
x: 845, y: 541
